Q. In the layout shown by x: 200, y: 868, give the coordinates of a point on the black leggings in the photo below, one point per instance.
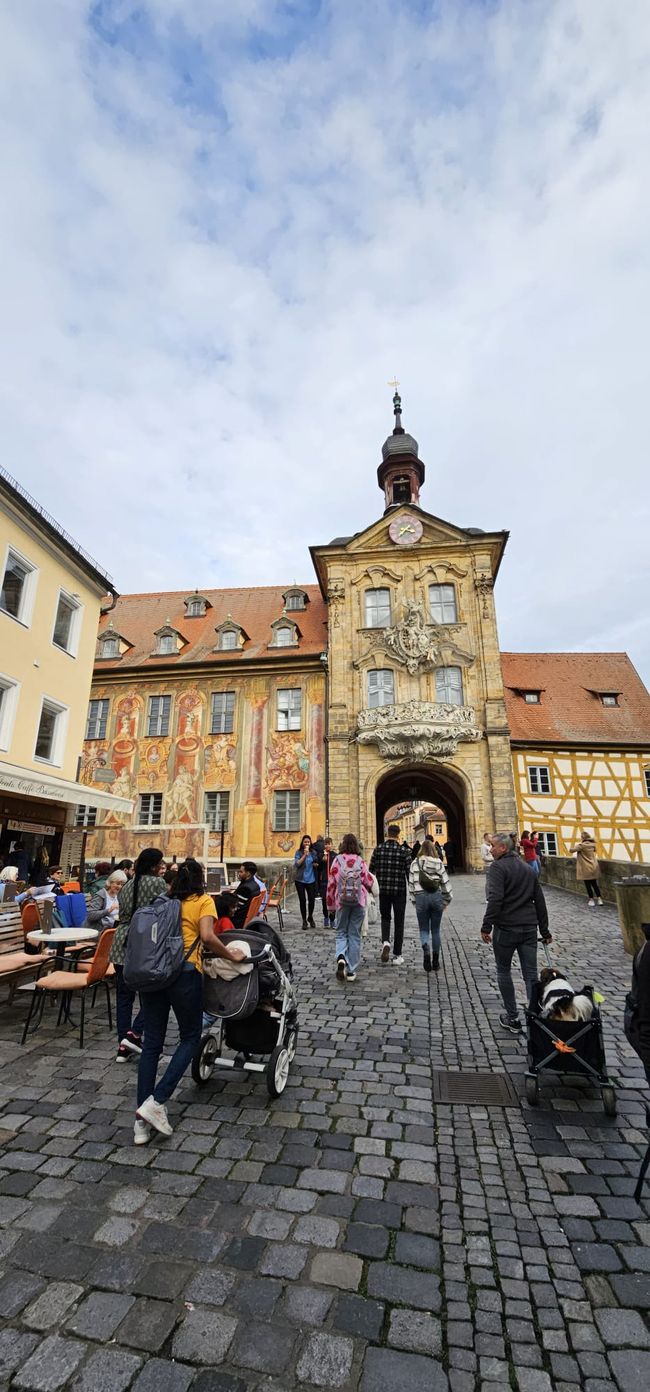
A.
x: 592, y: 889
x: 307, y: 897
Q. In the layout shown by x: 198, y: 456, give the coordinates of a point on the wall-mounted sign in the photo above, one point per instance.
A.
x: 34, y: 828
x: 104, y: 775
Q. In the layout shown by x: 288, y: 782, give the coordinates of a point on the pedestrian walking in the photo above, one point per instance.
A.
x: 450, y: 856
x: 587, y: 868
x: 306, y: 865
x: 486, y: 851
x: 323, y: 873
x: 390, y: 863
x: 528, y: 844
x: 183, y: 995
x: 515, y: 909
x: 637, y: 1004
x: 430, y: 892
x: 146, y: 885
x: 347, y: 891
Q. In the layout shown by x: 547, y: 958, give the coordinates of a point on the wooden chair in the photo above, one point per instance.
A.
x: 254, y: 908
x: 276, y: 899
x: 15, y: 963
x: 79, y: 982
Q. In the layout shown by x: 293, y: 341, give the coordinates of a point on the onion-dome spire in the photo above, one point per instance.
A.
x: 401, y: 473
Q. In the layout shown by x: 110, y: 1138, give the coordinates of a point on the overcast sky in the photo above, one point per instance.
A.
x: 227, y: 223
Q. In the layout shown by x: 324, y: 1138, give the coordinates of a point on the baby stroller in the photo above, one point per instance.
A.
x: 567, y: 1046
x: 254, y: 1013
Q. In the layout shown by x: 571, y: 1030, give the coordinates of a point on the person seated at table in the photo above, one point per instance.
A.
x: 246, y: 889
x: 53, y: 885
x: 104, y: 908
x: 226, y: 906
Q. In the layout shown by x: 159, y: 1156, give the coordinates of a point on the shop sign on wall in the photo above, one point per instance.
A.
x: 34, y: 828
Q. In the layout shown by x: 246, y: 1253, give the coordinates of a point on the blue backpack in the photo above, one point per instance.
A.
x: 155, y: 952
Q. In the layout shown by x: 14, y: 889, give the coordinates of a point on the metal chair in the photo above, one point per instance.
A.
x: 70, y: 983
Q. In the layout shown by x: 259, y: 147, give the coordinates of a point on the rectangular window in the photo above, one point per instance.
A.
x: 216, y: 810
x: 284, y: 636
x: 449, y: 686
x: 159, y: 715
x: 8, y: 703
x: 85, y: 816
x: 97, y: 722
x: 295, y: 601
x: 150, y: 809
x: 548, y: 842
x: 646, y: 777
x: 51, y: 731
x: 609, y: 698
x: 109, y: 647
x: 377, y: 608
x: 442, y: 604
x: 539, y: 778
x: 381, y: 688
x: 289, y: 708
x: 17, y: 593
x: 286, y: 811
x: 66, y: 623
x: 223, y: 713
x: 531, y: 698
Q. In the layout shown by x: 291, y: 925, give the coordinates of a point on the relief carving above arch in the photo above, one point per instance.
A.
x: 417, y: 729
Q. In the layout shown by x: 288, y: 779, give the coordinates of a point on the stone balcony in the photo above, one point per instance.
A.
x: 417, y: 729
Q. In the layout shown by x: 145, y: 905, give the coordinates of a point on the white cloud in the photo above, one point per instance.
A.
x: 225, y: 228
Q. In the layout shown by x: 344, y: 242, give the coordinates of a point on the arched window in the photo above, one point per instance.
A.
x: 284, y: 636
x: 449, y: 686
x: 109, y: 647
x: 381, y: 687
x: 228, y: 640
x: 167, y: 644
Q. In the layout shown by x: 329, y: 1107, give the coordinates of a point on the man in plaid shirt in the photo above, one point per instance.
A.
x: 390, y: 863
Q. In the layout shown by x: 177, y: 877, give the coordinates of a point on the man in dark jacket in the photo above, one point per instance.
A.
x: 391, y: 862
x: 637, y: 1013
x: 515, y: 909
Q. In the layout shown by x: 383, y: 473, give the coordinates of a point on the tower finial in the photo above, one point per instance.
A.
x: 398, y: 428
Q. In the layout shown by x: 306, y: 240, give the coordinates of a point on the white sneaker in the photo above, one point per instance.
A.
x: 351, y: 976
x: 599, y: 901
x: 156, y: 1115
x: 385, y: 952
x: 141, y: 1132
x: 591, y: 904
x: 398, y: 961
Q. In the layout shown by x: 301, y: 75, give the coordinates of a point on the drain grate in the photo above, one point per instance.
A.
x: 475, y: 1089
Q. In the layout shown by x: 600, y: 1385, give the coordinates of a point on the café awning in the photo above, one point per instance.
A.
x: 26, y: 783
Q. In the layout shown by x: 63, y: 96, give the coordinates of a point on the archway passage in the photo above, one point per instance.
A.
x: 427, y: 783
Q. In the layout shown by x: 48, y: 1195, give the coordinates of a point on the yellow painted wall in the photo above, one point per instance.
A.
x: 600, y: 791
x: 28, y: 655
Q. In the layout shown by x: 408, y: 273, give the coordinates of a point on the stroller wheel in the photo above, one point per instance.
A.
x: 292, y: 1043
x: 532, y: 1090
x: 204, y: 1061
x: 277, y: 1073
x: 609, y: 1100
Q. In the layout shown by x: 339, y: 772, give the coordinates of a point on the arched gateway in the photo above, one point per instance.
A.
x: 427, y: 783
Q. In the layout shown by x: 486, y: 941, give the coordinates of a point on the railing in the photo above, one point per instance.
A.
x: 51, y: 521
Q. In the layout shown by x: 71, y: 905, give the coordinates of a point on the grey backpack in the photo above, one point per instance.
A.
x: 155, y: 952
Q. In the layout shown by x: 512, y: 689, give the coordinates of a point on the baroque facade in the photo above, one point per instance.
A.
x: 237, y: 719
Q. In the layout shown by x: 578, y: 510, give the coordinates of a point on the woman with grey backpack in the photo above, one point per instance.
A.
x: 430, y: 892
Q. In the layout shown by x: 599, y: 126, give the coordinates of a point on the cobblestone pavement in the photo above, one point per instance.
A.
x: 349, y: 1234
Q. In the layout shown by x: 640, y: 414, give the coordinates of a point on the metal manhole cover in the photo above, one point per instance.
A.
x: 484, y: 1089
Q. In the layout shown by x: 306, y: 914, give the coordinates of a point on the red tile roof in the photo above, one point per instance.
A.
x: 137, y: 616
x: 570, y: 710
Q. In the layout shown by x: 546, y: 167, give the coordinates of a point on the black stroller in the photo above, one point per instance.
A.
x: 567, y: 1046
x: 254, y: 1014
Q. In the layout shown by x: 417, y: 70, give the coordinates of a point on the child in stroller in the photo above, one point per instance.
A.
x: 251, y: 1008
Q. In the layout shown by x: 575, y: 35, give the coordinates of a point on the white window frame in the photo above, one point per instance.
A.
x: 62, y: 713
x: 377, y: 689
x: 226, y: 723
x: 163, y: 649
x: 545, y: 838
x: 106, y: 643
x: 9, y: 693
x: 294, y: 603
x: 289, y: 711
x: 609, y: 699
x: 75, y: 623
x: 290, y: 641
x: 150, y: 820
x: 159, y: 733
x: 443, y: 603
x: 85, y: 815
x: 195, y: 609
x: 214, y: 816
x: 24, y: 615
x: 290, y: 818
x: 532, y: 698
x: 535, y: 779
x: 98, y: 733
x: 371, y: 619
x: 228, y: 640
x: 448, y: 696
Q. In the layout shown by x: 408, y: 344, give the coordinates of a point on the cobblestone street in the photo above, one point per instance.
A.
x: 350, y: 1234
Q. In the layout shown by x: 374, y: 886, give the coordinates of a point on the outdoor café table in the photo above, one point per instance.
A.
x: 59, y: 937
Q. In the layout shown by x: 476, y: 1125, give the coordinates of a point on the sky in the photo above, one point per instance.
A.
x: 226, y: 226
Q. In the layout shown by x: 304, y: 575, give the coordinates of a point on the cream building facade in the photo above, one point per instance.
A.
x: 50, y: 598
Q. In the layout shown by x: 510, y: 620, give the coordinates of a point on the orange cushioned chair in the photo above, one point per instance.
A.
x: 254, y: 908
x: 276, y: 899
x: 70, y: 982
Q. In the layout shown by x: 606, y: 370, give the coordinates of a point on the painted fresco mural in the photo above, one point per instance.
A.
x: 251, y: 764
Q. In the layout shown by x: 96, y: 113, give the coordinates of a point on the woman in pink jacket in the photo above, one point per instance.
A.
x: 347, y: 887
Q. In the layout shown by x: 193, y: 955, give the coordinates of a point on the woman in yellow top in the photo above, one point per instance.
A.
x: 184, y: 997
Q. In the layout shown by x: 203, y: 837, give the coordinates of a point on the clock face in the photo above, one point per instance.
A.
x: 405, y: 531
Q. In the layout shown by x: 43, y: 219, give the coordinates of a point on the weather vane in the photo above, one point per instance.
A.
x: 394, y: 384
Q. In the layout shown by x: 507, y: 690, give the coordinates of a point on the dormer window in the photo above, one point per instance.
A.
x: 609, y: 698
x: 532, y: 698
x: 167, y: 644
x: 168, y: 641
x: 228, y: 640
x: 230, y: 635
x: 196, y: 606
x: 285, y: 633
x: 108, y: 643
x: 295, y: 599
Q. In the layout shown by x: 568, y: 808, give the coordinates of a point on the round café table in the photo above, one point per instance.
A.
x: 59, y: 937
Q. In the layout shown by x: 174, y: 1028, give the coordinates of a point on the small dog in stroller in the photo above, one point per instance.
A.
x: 251, y: 1008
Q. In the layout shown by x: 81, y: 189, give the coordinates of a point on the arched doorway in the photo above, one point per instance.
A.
x: 427, y: 783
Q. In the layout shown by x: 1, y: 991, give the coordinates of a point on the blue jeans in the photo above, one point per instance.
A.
x: 124, y: 999
x: 533, y: 865
x: 523, y: 941
x: 185, y: 998
x: 349, y: 920
x: 429, y: 908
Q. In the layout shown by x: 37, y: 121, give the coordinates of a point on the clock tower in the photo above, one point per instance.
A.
x: 401, y: 472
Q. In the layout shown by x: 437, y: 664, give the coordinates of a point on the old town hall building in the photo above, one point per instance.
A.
x: 257, y: 714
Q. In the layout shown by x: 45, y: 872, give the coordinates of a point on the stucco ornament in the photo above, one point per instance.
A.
x: 417, y: 729
x: 412, y: 641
